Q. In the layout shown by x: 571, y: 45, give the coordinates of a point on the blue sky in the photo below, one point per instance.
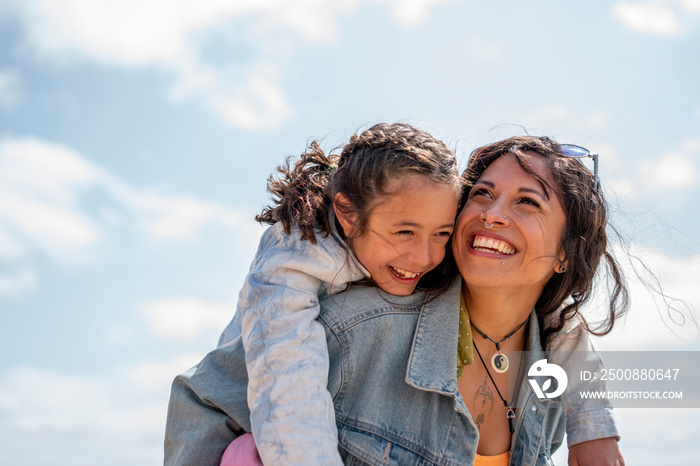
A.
x: 136, y: 137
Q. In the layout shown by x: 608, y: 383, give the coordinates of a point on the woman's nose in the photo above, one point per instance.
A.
x: 494, y: 216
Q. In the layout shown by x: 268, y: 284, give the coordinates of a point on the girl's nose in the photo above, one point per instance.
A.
x: 420, y: 253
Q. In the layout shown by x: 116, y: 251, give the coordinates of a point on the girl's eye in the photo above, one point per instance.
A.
x: 444, y: 234
x: 404, y: 232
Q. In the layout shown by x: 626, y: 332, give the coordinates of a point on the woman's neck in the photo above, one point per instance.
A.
x: 497, y: 313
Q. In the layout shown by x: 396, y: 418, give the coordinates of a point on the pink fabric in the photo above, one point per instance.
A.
x: 242, y: 452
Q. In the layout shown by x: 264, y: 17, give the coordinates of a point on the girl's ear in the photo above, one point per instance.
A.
x: 346, y: 222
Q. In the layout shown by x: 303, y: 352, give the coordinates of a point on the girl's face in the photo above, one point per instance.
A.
x: 407, y: 233
x: 523, y: 248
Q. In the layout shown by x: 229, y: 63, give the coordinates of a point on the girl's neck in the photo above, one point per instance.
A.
x: 497, y: 313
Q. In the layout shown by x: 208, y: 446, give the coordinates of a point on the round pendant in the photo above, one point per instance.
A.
x: 499, y: 362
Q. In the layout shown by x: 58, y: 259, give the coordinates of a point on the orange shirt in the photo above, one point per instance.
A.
x: 496, y: 460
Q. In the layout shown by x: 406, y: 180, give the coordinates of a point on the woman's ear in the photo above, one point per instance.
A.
x: 346, y: 222
x: 563, y: 264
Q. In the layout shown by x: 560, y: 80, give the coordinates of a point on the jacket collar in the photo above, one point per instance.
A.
x: 432, y: 364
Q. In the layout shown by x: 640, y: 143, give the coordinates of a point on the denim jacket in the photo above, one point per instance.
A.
x: 286, y: 352
x: 392, y: 377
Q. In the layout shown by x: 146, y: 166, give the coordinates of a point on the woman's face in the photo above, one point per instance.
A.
x: 523, y: 248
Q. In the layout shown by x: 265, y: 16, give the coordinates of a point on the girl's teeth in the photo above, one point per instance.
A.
x: 404, y: 273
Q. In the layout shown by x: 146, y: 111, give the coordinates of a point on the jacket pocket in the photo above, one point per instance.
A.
x: 358, y: 447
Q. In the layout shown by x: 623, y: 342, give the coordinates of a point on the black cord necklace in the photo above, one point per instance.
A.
x: 499, y: 361
x: 510, y: 414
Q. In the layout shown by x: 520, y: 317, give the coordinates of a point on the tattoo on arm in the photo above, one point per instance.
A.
x: 483, y: 403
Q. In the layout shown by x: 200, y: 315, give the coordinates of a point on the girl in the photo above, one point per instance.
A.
x: 385, y: 216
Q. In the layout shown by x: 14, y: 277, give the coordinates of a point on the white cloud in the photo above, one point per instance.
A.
x: 162, y: 33
x: 186, y: 318
x: 10, y: 89
x: 259, y: 102
x: 411, y: 12
x: 177, y: 217
x: 124, y: 406
x: 652, y: 18
x: 170, y: 34
x: 690, y: 6
x: 657, y: 17
x: 39, y: 188
x: 156, y: 376
x: 116, y: 400
x: 47, y: 205
x: 671, y: 171
x: 650, y: 324
x: 31, y: 399
x: 127, y: 32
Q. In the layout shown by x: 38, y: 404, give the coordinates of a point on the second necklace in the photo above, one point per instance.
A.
x: 499, y: 361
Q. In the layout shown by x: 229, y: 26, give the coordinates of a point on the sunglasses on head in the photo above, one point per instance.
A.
x: 571, y: 150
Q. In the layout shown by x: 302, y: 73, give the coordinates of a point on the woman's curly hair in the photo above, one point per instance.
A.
x: 585, y: 239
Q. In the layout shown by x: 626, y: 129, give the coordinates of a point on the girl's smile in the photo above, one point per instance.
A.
x: 407, y: 233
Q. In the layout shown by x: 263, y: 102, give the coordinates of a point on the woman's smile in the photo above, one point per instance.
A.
x: 504, y: 234
x: 492, y: 245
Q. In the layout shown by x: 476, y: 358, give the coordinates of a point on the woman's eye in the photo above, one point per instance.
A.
x: 445, y: 234
x: 478, y: 192
x: 530, y: 201
x: 404, y: 232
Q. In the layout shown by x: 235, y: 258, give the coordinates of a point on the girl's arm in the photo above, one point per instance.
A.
x: 286, y: 354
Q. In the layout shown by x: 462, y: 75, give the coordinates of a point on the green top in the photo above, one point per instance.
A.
x: 465, y: 348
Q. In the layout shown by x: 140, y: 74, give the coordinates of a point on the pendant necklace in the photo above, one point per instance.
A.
x: 499, y: 361
x: 510, y: 414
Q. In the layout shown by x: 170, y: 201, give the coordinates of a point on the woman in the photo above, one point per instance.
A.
x: 531, y: 233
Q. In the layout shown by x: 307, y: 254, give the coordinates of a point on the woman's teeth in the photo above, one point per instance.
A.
x: 492, y: 245
x: 401, y: 273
